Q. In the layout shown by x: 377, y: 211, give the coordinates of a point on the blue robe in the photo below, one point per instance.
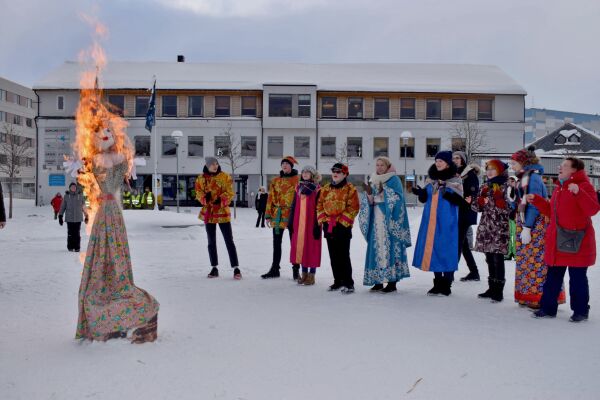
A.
x: 437, y: 253
x: 386, y: 230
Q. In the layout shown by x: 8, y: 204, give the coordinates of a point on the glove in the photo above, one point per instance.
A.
x: 60, y: 220
x: 526, y: 235
x: 416, y: 189
x: 208, y: 197
x: 317, y: 232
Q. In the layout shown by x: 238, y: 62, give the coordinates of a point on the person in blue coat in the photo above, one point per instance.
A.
x: 437, y: 241
x: 384, y: 224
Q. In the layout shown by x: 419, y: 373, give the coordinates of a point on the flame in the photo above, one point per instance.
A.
x: 93, y: 117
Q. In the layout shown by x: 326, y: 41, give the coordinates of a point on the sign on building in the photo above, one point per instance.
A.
x: 57, y: 145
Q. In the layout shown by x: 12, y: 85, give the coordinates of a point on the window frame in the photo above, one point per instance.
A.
x: 387, y: 99
x: 190, y: 113
x: 413, y: 108
x: 439, y: 102
x: 387, y: 146
x: 135, y: 147
x: 254, y: 110
x: 116, y: 109
x: 174, y: 106
x: 191, y: 146
x: 459, y: 117
x: 296, y: 153
x: 362, y: 107
x: 348, y: 146
x: 304, y: 106
x: 334, y: 107
x: 223, y: 108
x: 281, y: 95
x: 410, y: 145
x: 322, y: 146
x: 165, y: 140
x: 439, y: 146
x: 271, y: 142
x: 491, y: 112
x: 137, y: 100
x: 255, y: 139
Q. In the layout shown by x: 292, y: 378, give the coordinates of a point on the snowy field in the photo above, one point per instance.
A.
x: 256, y: 339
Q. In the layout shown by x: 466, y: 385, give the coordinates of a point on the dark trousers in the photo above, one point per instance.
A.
x: 73, y: 235
x: 495, y: 262
x: 261, y: 219
x: 277, y: 239
x: 55, y: 214
x: 463, y: 247
x: 338, y: 245
x: 579, y: 290
x: 447, y: 275
x: 211, y: 232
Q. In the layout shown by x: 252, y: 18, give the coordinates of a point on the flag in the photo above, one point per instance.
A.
x: 151, y: 113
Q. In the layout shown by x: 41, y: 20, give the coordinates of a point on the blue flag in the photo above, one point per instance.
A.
x: 151, y: 114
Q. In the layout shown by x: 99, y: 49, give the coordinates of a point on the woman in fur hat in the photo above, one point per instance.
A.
x: 306, y: 235
x: 384, y: 224
x: 531, y: 269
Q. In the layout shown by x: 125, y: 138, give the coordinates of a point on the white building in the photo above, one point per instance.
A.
x: 311, y: 111
x: 17, y: 117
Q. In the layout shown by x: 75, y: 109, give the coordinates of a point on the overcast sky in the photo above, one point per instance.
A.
x: 550, y: 47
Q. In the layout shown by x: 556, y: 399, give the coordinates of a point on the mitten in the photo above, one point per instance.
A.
x: 60, y: 220
x: 526, y: 235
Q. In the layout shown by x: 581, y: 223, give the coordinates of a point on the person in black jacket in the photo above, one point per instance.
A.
x: 2, y: 212
x: 261, y: 206
x: 466, y: 216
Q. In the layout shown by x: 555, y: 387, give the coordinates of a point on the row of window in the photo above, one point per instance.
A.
x: 299, y: 106
x: 18, y: 139
x: 15, y: 119
x: 11, y: 97
x: 22, y: 161
x: 353, y: 148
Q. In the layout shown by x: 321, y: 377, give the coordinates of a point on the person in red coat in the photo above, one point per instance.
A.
x: 572, y: 206
x: 55, y: 203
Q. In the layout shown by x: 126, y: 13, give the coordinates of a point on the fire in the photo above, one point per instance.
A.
x: 93, y: 117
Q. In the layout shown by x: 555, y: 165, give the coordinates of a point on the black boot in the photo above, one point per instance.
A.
x: 498, y: 290
x: 471, y: 276
x: 391, y: 287
x: 436, y: 289
x: 273, y: 273
x: 377, y: 287
x: 214, y: 273
x: 445, y: 287
x: 295, y: 272
x: 488, y: 293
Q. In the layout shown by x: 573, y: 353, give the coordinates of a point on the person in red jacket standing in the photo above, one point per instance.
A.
x: 572, y: 206
x: 56, y: 203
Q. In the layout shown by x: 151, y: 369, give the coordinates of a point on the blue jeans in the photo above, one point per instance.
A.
x: 579, y: 290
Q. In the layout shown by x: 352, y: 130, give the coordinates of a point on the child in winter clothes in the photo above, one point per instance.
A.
x: 337, y: 208
x: 306, y: 241
x: 493, y: 232
x: 56, y: 202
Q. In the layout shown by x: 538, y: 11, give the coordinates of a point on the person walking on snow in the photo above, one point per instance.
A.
x: 214, y: 190
x: 261, y: 206
x: 56, y: 202
x: 74, y: 211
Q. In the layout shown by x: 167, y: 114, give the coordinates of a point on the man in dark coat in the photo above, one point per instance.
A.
x: 466, y: 216
x: 74, y: 212
x: 261, y: 206
x: 2, y: 212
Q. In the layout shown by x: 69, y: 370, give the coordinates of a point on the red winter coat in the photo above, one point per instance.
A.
x: 575, y: 212
x: 56, y: 202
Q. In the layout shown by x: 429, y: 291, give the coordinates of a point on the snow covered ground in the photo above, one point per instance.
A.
x: 255, y: 339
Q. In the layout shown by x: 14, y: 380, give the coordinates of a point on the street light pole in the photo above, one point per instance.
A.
x: 177, y: 135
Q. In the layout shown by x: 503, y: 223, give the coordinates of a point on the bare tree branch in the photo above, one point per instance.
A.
x: 471, y: 138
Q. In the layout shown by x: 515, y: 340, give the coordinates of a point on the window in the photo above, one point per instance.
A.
x: 195, y: 146
x: 459, y: 109
x: 304, y: 105
x: 560, y: 139
x: 302, y: 146
x: 2, y: 117
x: 169, y: 106
x: 382, y: 108
x: 410, y: 148
x: 2, y: 95
x: 574, y: 138
x: 3, y: 159
x: 142, y: 146
x: 60, y: 102
x: 14, y: 119
x: 407, y: 108
x: 169, y: 146
x: 328, y: 107
x: 432, y: 147
x: 27, y: 142
x: 248, y: 144
x: 434, y: 109
x: 141, y: 105
x: 29, y: 122
x: 280, y: 105
x: 28, y: 162
x: 355, y: 107
x: 30, y: 103
x: 484, y: 110
x: 196, y: 106
x: 222, y: 144
x: 117, y: 103
x: 275, y: 146
x: 23, y: 101
x: 380, y: 146
x: 459, y: 144
x: 354, y: 147
x: 328, y: 147
x: 222, y: 106
x: 249, y: 106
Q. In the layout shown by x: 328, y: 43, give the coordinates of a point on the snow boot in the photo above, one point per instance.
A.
x: 303, y: 277
x: 488, y: 293
x: 310, y: 280
x: 335, y: 287
x: 347, y: 289
x: 273, y: 273
x: 445, y: 287
x: 542, y: 314
x: 237, y: 275
x: 471, y: 276
x: 214, y: 273
x: 578, y: 318
x: 377, y: 288
x: 391, y: 287
x: 436, y: 289
x: 497, y: 290
x: 296, y: 272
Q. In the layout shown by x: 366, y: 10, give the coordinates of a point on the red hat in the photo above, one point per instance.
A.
x: 497, y: 165
x: 290, y: 160
x: 525, y: 156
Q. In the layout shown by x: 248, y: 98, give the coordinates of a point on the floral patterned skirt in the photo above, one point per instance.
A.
x: 109, y: 301
x: 531, y: 271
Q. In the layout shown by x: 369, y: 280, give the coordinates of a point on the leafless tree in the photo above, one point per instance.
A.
x: 231, y: 154
x: 343, y: 156
x: 471, y: 138
x: 15, y: 149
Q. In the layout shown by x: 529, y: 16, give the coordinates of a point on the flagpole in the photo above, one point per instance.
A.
x: 156, y: 164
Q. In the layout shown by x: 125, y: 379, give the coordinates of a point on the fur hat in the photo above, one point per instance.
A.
x: 526, y: 156
x: 462, y: 155
x: 497, y: 165
x: 341, y: 168
x: 208, y: 161
x: 316, y: 176
x: 445, y: 155
x: 290, y: 160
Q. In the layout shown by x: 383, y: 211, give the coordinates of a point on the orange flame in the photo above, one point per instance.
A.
x: 93, y: 116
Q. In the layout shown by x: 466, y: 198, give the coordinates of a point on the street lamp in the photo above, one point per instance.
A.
x: 406, y: 136
x: 177, y: 135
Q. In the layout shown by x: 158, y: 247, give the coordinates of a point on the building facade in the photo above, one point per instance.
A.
x: 318, y: 113
x: 540, y: 122
x: 17, y: 137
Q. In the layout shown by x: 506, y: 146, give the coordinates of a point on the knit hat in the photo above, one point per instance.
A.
x: 445, y: 155
x: 498, y: 165
x: 72, y: 184
x: 525, y: 156
x: 462, y: 155
x: 315, y: 174
x: 210, y: 161
x: 290, y: 160
x: 339, y: 167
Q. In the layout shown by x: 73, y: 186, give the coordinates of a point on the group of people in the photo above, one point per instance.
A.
x: 135, y: 200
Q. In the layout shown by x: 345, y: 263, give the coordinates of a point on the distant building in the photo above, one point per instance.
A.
x: 17, y: 114
x: 539, y: 122
x: 314, y: 112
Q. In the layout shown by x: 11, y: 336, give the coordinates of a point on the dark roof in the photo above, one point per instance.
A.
x: 570, y: 138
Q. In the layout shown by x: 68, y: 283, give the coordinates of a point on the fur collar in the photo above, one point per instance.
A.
x: 383, y: 178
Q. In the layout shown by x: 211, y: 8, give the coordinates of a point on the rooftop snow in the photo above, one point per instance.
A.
x: 444, y: 78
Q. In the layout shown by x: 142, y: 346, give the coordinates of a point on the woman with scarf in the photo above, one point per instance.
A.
x: 306, y: 235
x: 384, y: 224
